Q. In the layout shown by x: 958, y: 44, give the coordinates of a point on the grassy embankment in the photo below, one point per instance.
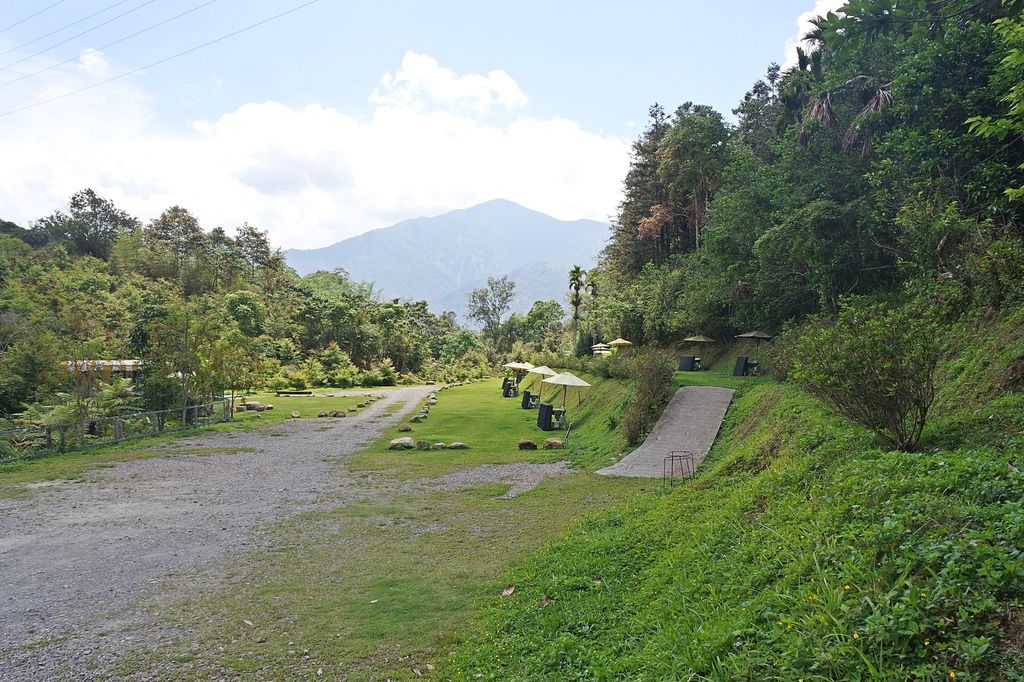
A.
x: 75, y: 464
x: 800, y: 551
x: 382, y: 588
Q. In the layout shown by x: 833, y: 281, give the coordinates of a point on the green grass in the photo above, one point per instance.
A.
x: 376, y: 589
x: 801, y: 551
x: 305, y: 405
x: 492, y: 426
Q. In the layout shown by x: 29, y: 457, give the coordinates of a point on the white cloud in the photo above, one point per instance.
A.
x: 422, y: 80
x: 310, y: 175
x: 804, y: 26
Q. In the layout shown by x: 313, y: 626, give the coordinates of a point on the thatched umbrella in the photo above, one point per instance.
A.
x: 698, y: 339
x: 565, y: 380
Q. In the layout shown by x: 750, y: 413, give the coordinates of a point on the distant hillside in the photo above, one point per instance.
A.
x: 442, y: 258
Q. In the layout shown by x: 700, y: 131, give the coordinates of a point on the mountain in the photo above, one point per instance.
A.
x: 442, y: 258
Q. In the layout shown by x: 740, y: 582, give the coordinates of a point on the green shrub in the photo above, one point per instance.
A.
x: 875, y: 365
x: 652, y: 386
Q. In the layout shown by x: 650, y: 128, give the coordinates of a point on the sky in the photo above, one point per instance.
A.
x: 336, y: 118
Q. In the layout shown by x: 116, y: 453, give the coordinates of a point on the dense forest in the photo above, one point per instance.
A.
x: 886, y: 162
x: 206, y: 311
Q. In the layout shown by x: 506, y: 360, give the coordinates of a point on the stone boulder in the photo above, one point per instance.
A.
x: 423, y: 445
x: 268, y: 407
x: 405, y: 428
x: 552, y: 443
x: 438, y: 446
x: 353, y: 409
x: 296, y: 415
x: 527, y: 445
x: 321, y: 414
x: 457, y: 446
x: 416, y: 419
x: 402, y: 444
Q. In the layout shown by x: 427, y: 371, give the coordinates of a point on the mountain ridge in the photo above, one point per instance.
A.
x: 441, y: 258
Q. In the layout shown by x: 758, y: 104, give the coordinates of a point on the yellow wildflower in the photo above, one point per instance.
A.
x: 856, y: 635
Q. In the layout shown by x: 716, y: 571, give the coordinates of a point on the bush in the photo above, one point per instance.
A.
x: 874, y: 365
x: 652, y: 386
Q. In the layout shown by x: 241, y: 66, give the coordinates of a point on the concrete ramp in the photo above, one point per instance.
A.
x: 690, y: 422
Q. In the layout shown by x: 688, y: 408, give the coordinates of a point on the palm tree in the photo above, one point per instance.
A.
x: 577, y: 280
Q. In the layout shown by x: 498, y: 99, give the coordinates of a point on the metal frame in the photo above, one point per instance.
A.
x: 685, y: 461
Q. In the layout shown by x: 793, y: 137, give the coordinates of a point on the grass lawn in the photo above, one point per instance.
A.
x: 384, y: 588
x: 492, y: 426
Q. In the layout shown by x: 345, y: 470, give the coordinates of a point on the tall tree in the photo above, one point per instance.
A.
x: 91, y: 225
x: 488, y: 304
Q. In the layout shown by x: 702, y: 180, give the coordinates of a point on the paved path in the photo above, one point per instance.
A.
x: 690, y: 422
x: 82, y: 562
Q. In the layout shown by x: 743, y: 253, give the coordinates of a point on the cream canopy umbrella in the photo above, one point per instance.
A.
x: 565, y: 380
x: 620, y: 343
x: 700, y: 338
x: 542, y: 371
x: 518, y: 366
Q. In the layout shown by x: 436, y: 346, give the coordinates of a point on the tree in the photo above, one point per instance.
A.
x: 90, y: 227
x: 179, y: 231
x: 577, y: 280
x: 488, y: 304
x: 254, y: 247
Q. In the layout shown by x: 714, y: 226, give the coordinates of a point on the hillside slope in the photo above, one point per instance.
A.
x: 442, y: 258
x: 801, y: 551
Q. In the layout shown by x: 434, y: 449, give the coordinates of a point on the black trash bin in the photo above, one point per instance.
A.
x: 526, y: 400
x: 741, y: 366
x: 688, y: 363
x: 544, y: 415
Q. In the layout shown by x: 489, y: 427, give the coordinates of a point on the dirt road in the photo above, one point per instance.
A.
x: 85, y: 564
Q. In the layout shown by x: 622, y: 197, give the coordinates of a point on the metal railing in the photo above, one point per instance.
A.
x: 38, y: 441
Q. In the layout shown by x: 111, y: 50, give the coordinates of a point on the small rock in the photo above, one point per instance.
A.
x: 268, y: 407
x: 340, y: 413
x: 416, y: 419
x: 438, y: 446
x: 360, y: 405
x: 458, y: 446
x: 432, y: 401
x: 402, y: 444
x: 296, y: 415
x: 431, y: 383
x: 352, y: 409
x: 321, y: 414
x: 527, y: 445
x: 423, y: 445
x: 332, y: 413
x: 552, y: 443
x: 405, y: 428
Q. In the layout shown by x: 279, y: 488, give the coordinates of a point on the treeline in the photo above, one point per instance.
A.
x: 208, y: 311
x: 887, y: 162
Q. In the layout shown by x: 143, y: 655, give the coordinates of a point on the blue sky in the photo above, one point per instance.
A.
x: 341, y: 117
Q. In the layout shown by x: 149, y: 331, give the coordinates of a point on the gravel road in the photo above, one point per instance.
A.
x: 83, y: 562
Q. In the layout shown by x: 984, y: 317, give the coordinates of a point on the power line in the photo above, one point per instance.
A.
x: 19, y: 23
x: 111, y: 44
x: 77, y: 35
x: 159, y: 61
x: 62, y: 28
